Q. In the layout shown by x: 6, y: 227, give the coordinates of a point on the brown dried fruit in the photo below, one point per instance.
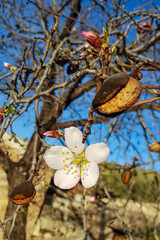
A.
x: 155, y: 147
x: 23, y: 194
x: 117, y: 93
x: 61, y: 60
x: 72, y: 68
x: 126, y: 176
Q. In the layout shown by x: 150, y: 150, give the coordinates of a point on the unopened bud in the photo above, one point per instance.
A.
x: 1, y: 119
x: 53, y: 134
x: 92, y: 38
x: 136, y: 159
x: 85, y: 53
x: 9, y: 66
x: 93, y: 199
x: 145, y: 24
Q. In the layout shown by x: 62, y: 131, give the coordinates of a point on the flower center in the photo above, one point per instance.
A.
x: 80, y: 161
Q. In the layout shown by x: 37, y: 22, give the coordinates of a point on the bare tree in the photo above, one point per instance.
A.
x: 56, y: 73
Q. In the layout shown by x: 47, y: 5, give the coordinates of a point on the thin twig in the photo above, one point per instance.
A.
x: 127, y: 13
x: 111, y: 129
x: 145, y: 101
x: 83, y: 214
x: 87, y: 130
x: 13, y: 221
x: 3, y: 231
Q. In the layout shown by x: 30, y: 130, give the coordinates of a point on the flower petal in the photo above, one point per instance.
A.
x: 98, y: 152
x: 57, y: 157
x: 90, y: 175
x: 67, y: 178
x: 73, y: 139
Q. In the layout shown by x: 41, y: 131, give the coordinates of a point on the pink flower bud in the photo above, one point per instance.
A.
x: 53, y: 134
x: 145, y: 24
x: 1, y: 119
x: 93, y: 199
x: 92, y: 38
x: 9, y: 66
x: 85, y: 53
x: 136, y: 159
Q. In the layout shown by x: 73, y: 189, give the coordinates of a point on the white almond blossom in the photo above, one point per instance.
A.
x: 74, y: 162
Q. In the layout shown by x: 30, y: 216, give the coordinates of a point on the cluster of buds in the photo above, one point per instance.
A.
x: 94, y: 42
x: 54, y: 134
x: 144, y: 26
x: 98, y: 45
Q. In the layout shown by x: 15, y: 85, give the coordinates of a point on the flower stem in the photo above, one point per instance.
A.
x: 83, y: 214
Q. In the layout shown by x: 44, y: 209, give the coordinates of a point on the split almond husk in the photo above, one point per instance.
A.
x: 155, y: 147
x: 117, y: 93
x: 23, y: 194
